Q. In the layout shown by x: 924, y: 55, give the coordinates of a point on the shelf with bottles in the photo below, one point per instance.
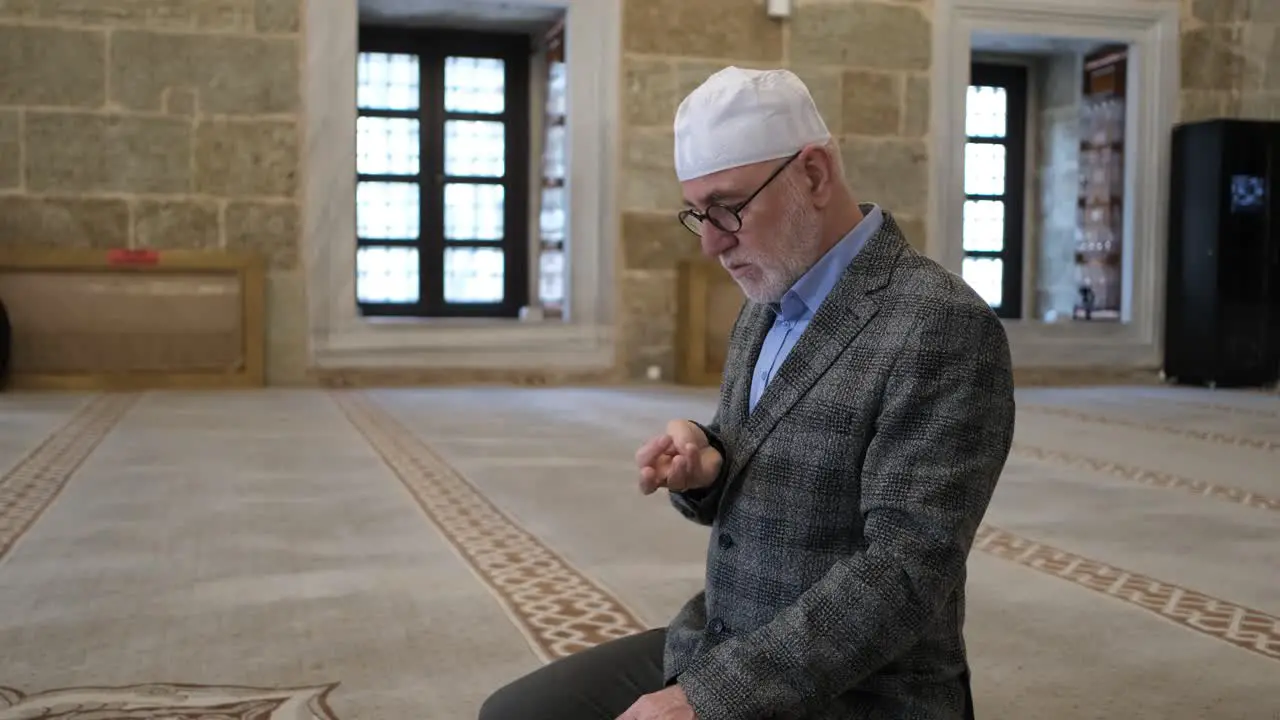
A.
x: 553, y: 214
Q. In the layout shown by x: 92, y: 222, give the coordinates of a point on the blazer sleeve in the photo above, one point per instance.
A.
x: 701, y: 505
x: 941, y: 440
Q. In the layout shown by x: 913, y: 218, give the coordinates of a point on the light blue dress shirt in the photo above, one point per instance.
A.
x: 798, y: 305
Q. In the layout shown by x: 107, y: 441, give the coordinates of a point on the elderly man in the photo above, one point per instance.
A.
x: 865, y: 415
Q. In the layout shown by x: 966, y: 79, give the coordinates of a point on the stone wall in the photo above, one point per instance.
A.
x: 1231, y: 59
x: 174, y: 123
x: 867, y: 65
x: 1057, y: 124
x: 157, y: 124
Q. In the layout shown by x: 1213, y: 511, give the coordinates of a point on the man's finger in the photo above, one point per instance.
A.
x: 685, y: 432
x: 678, y: 478
x: 689, y: 468
x: 649, y: 452
x: 650, y: 480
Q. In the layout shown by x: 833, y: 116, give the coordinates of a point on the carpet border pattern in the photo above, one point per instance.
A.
x: 559, y: 609
x: 1145, y: 476
x: 1213, y: 436
x: 1212, y: 406
x: 1244, y: 627
x: 31, y: 486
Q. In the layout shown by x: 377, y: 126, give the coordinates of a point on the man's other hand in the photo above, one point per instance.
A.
x: 667, y: 704
x: 679, y: 459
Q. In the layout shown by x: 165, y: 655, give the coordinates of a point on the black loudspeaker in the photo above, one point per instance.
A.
x: 1222, y: 311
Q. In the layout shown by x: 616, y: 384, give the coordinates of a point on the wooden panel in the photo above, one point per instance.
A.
x: 118, y: 319
x: 708, y: 304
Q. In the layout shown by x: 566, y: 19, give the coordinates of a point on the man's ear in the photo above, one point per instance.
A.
x: 819, y: 172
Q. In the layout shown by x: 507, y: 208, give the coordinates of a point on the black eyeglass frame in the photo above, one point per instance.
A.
x: 734, y: 211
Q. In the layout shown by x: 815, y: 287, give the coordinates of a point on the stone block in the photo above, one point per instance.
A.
x: 180, y: 101
x: 649, y: 176
x: 1264, y: 58
x: 892, y: 173
x: 247, y: 158
x: 176, y: 225
x: 270, y: 229
x: 871, y: 36
x: 649, y: 320
x: 1256, y: 46
x: 69, y: 152
x: 913, y: 229
x: 1260, y: 106
x: 230, y: 75
x: 278, y: 16
x: 656, y: 241
x: 1211, y: 59
x: 826, y: 87
x: 10, y: 149
x: 917, y: 106
x: 169, y: 14
x: 63, y: 222
x: 649, y: 91
x: 872, y: 102
x: 638, y: 360
x: 1261, y: 11
x: 735, y: 29
x: 1202, y: 105
x: 1217, y: 12
x: 52, y: 67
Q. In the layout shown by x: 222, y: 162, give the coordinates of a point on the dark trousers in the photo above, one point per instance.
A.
x: 596, y: 684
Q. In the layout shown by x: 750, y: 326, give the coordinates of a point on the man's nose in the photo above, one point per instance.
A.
x: 716, y: 241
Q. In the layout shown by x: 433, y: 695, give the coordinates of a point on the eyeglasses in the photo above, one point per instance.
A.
x: 727, y: 218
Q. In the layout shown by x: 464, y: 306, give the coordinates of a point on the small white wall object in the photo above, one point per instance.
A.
x: 778, y: 8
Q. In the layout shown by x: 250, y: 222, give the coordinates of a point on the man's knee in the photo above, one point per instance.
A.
x: 539, y: 695
x: 531, y: 697
x: 595, y: 684
x: 501, y: 705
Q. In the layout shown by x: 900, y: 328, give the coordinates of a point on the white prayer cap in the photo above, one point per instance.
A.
x: 740, y: 117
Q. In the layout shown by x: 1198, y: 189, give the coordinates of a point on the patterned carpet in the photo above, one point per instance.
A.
x: 398, y: 554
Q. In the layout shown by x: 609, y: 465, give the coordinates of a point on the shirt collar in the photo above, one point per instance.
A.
x: 812, y: 288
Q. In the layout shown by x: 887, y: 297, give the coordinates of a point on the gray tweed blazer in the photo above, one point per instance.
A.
x: 848, y: 502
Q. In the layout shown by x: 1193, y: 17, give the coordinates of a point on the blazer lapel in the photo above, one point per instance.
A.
x: 839, y: 319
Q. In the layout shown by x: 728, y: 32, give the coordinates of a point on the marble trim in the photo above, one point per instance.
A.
x: 338, y: 337
x: 1151, y: 29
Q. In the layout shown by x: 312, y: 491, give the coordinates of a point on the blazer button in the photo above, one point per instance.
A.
x: 726, y: 542
x: 716, y: 627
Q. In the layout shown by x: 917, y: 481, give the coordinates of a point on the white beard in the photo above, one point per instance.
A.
x: 799, y: 234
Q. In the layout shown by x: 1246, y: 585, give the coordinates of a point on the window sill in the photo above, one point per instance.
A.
x: 466, y: 323
x: 1081, y: 343
x: 446, y: 342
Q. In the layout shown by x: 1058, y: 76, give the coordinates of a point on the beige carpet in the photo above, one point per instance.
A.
x: 398, y: 554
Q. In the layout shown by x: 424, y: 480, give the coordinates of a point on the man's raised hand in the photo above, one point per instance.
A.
x: 679, y: 459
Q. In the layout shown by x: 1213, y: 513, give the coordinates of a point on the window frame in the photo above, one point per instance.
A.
x: 433, y: 46
x: 1014, y: 79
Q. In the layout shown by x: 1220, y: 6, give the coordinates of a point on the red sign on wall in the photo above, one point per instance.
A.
x: 124, y: 256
